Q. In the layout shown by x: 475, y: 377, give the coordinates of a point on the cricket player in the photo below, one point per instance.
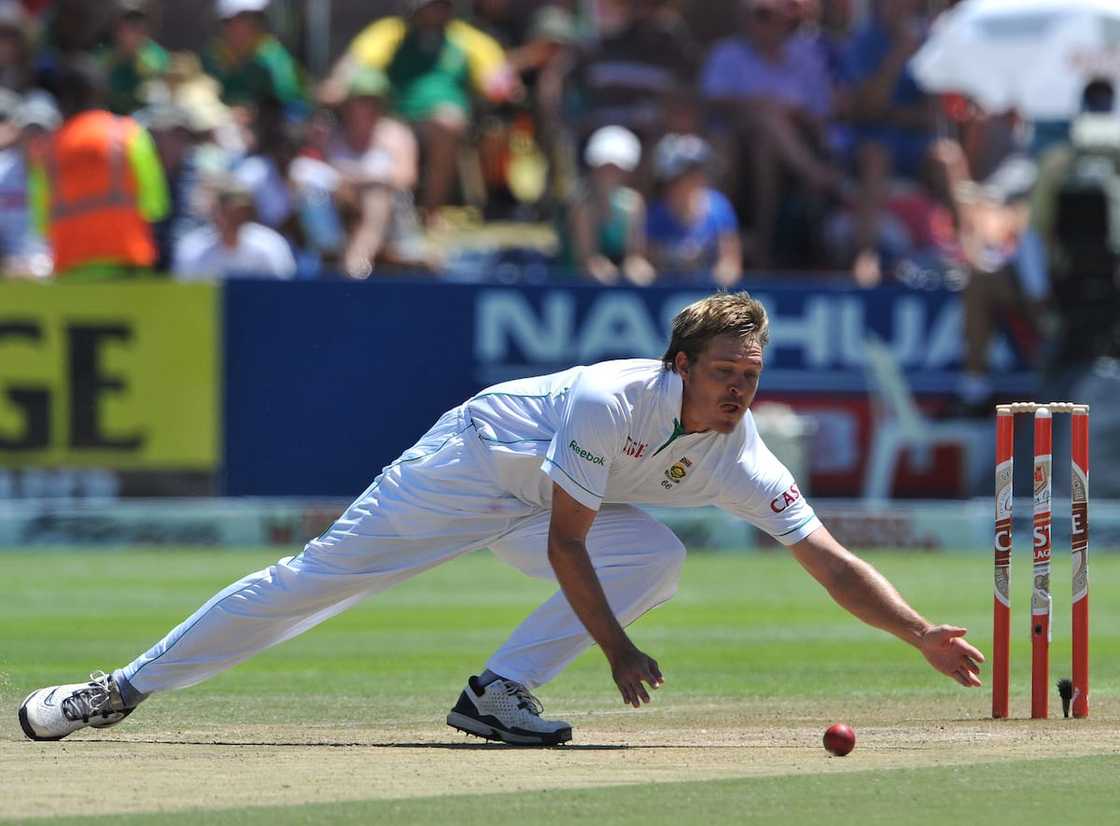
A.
x: 547, y: 472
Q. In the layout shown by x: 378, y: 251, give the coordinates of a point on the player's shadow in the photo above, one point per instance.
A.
x: 436, y: 746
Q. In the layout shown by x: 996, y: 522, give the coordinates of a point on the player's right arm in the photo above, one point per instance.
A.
x: 866, y: 593
x: 766, y: 495
x: 567, y: 553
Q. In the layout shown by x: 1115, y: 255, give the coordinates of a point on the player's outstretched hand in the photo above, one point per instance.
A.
x: 630, y: 669
x: 950, y: 653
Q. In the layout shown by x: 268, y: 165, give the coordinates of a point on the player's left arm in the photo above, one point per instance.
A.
x: 567, y: 553
x: 866, y: 593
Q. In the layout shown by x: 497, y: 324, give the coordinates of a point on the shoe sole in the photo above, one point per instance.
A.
x: 469, y: 725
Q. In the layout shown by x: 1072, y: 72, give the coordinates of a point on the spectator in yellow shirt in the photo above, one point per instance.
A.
x: 435, y: 63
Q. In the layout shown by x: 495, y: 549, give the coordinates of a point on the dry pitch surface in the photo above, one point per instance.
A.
x: 276, y: 765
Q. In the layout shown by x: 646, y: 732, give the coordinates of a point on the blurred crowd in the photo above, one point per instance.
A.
x: 616, y: 141
x: 651, y: 140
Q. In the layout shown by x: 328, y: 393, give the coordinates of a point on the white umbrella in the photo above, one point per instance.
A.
x: 1034, y: 56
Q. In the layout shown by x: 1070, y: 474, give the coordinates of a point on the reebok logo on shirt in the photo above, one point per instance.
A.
x: 586, y: 455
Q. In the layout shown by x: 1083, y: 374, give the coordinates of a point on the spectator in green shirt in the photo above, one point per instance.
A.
x: 133, y: 59
x: 436, y: 64
x: 251, y: 64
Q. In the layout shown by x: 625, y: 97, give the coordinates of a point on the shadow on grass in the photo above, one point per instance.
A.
x: 313, y: 745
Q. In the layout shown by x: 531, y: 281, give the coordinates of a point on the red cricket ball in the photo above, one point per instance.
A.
x: 839, y: 739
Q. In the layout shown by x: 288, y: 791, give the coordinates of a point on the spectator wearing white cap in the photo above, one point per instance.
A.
x: 250, y: 63
x: 605, y: 234
x: 692, y: 229
x: 233, y: 245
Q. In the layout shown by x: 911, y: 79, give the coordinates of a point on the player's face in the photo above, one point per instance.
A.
x: 720, y: 385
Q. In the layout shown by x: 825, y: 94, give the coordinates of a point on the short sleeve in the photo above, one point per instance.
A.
x: 720, y: 77
x: 763, y: 492
x: 283, y: 74
x: 189, y: 259
x: 281, y: 262
x: 484, y: 54
x: 580, y: 455
x: 378, y: 42
x: 723, y: 214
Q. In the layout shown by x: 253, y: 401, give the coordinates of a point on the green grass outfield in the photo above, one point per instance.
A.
x: 751, y: 649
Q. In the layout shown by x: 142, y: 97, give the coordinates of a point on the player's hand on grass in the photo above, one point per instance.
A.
x: 946, y: 649
x: 630, y: 669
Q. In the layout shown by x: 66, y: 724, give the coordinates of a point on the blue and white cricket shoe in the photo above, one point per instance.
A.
x: 507, y: 711
x: 53, y: 712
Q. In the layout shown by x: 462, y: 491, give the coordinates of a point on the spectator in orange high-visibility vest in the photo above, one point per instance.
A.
x: 100, y: 186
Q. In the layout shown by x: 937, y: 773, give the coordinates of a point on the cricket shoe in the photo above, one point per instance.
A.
x: 507, y: 711
x: 53, y: 712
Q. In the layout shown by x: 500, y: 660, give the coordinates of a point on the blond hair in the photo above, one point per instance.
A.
x: 723, y: 313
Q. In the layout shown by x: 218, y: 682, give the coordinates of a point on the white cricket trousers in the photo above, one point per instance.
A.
x: 437, y: 502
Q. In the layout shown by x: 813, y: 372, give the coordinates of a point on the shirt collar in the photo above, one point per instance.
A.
x: 672, y: 394
x: 669, y: 427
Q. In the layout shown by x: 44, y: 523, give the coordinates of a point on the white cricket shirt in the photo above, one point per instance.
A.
x: 611, y: 432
